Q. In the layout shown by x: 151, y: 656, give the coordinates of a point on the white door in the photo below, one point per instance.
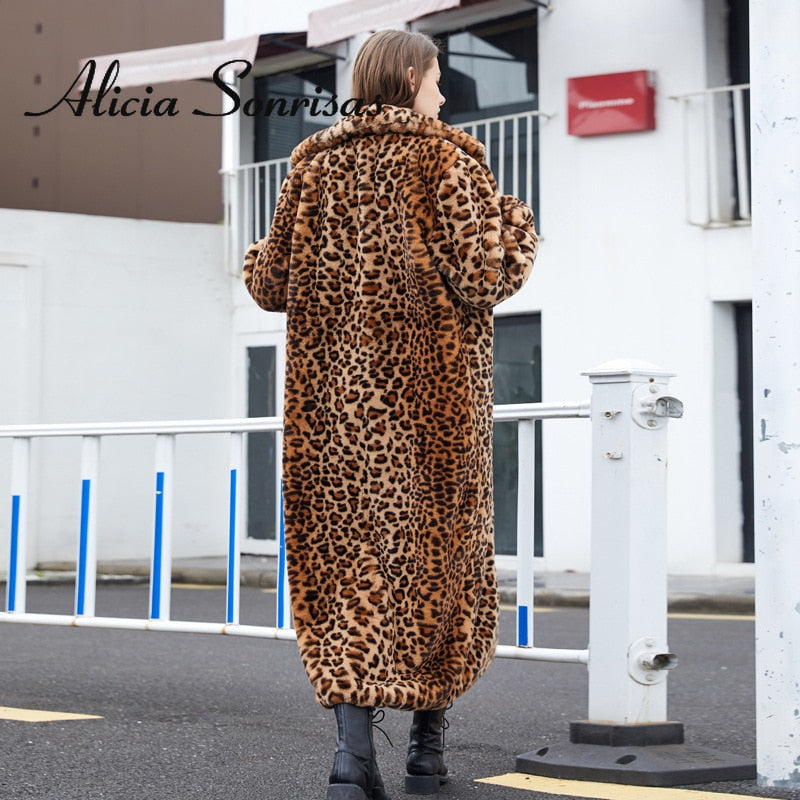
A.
x: 20, y: 355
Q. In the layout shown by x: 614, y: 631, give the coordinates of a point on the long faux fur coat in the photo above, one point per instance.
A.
x: 388, y: 249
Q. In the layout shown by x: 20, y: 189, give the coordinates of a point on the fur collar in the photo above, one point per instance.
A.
x: 372, y: 121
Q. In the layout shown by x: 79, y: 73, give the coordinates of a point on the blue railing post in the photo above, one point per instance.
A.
x: 284, y: 611
x: 16, y: 585
x: 86, y: 562
x: 526, y: 481
x: 234, y: 517
x: 161, y: 564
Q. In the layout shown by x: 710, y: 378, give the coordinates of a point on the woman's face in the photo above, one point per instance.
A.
x: 429, y: 99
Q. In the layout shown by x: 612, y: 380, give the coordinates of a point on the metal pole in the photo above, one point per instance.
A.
x: 775, y: 132
x: 284, y: 606
x: 712, y: 156
x: 86, y: 577
x: 232, y: 177
x: 526, y: 483
x: 16, y: 584
x: 628, y: 622
x: 234, y: 526
x: 161, y: 565
x: 628, y: 653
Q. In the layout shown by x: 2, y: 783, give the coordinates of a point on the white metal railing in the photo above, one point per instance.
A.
x: 251, y: 190
x: 512, y: 150
x: 166, y: 432
x: 627, y: 640
x: 717, y: 155
x: 91, y: 435
x: 526, y: 415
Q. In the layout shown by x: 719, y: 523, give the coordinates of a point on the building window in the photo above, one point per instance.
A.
x: 517, y: 379
x: 489, y: 71
x: 276, y: 135
x: 744, y: 364
x: 262, y: 454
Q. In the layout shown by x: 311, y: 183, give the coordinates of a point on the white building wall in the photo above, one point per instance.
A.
x: 621, y: 272
x: 121, y: 320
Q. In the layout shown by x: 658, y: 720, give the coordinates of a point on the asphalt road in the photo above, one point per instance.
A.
x: 227, y: 718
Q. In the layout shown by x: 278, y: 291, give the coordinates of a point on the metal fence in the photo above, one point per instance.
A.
x: 166, y: 432
x: 629, y: 410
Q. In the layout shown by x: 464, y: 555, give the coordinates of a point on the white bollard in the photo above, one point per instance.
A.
x: 627, y: 738
x: 628, y: 652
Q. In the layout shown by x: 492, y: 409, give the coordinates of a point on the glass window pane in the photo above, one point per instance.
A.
x: 279, y: 131
x: 517, y: 379
x: 490, y: 69
x: 262, y: 457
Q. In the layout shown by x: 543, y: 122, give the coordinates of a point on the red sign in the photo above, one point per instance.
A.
x: 616, y: 103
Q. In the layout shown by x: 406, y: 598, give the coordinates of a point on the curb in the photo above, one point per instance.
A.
x: 725, y: 604
x: 730, y: 604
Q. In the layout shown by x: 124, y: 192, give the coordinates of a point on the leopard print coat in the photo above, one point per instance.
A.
x: 388, y: 250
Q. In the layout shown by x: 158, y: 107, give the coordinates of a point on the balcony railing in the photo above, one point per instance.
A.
x: 251, y: 190
x: 717, y: 155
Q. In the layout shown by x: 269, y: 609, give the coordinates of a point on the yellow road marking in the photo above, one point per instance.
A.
x: 603, y: 791
x: 34, y: 715
x: 690, y: 615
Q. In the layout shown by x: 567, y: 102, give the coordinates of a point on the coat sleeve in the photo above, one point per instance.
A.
x: 266, y: 263
x: 484, y: 243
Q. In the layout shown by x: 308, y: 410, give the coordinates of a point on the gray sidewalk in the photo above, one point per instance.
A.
x: 687, y: 593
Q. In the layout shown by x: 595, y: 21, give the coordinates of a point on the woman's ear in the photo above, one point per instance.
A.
x: 411, y: 78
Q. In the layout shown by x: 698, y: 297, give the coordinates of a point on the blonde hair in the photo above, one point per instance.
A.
x: 380, y: 71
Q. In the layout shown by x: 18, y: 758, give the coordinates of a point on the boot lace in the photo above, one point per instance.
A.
x: 445, y: 721
x: 377, y: 716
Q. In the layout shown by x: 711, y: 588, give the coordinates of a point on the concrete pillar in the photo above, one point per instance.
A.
x: 775, y: 138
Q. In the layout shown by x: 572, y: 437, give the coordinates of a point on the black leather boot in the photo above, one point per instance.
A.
x: 425, y: 768
x: 355, y: 774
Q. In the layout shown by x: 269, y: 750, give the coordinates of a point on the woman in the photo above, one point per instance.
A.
x: 388, y: 250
